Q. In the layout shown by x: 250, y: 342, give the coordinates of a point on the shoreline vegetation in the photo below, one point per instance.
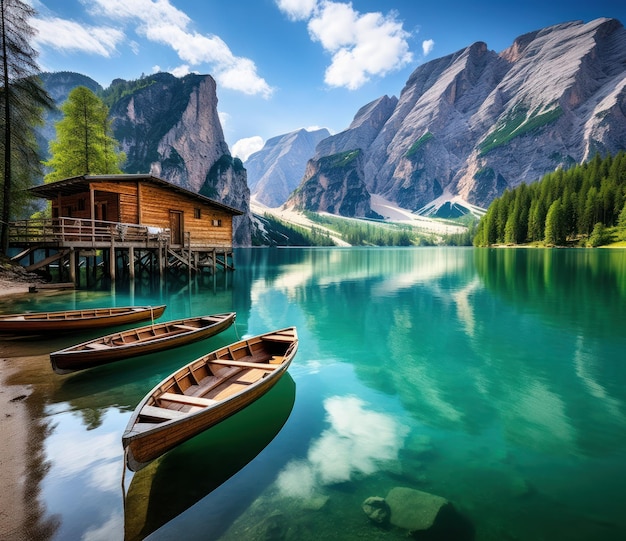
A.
x: 581, y: 206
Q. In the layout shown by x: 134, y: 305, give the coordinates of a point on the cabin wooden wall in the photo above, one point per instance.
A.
x: 75, y: 206
x: 151, y: 205
x: 214, y: 227
x: 123, y: 192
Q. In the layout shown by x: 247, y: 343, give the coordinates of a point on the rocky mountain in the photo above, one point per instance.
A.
x: 169, y: 127
x: 335, y: 184
x: 473, y: 123
x: 277, y: 169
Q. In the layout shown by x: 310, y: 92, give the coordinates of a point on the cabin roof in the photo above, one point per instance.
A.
x: 74, y: 185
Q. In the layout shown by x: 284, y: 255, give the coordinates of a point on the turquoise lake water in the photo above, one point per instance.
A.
x: 493, y: 378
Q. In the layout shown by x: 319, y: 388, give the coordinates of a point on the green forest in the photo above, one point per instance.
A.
x: 581, y: 206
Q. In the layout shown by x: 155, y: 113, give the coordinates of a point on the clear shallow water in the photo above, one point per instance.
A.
x: 493, y: 378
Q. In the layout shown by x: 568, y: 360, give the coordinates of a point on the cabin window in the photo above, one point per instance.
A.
x: 197, y: 213
x: 217, y: 223
x: 81, y: 204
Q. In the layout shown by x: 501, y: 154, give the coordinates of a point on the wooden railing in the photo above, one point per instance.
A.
x: 77, y: 230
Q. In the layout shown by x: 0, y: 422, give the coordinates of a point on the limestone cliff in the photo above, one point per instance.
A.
x: 334, y: 184
x: 169, y: 126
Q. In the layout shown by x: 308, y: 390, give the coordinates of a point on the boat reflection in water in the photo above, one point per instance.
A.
x: 174, y: 482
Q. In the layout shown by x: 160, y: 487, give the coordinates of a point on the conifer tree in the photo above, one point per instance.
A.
x: 555, y: 224
x: 621, y: 224
x: 589, y: 194
x: 22, y: 102
x: 84, y: 144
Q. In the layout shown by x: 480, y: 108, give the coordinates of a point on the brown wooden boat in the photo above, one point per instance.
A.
x: 139, y: 341
x: 76, y: 320
x: 205, y: 392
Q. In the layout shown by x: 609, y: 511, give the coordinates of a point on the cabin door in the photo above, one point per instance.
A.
x: 176, y: 227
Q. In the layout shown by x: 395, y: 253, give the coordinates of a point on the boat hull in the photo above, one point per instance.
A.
x: 77, y: 320
x: 96, y: 352
x: 144, y: 442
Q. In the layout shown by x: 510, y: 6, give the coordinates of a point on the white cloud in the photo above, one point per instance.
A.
x: 361, y: 45
x: 358, y: 440
x: 427, y: 46
x: 70, y: 36
x: 159, y: 22
x: 180, y: 71
x: 245, y: 147
x: 297, y: 10
x: 297, y: 480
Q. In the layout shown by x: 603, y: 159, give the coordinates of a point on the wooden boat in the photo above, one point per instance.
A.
x: 170, y: 484
x: 138, y: 341
x: 76, y: 320
x: 205, y: 392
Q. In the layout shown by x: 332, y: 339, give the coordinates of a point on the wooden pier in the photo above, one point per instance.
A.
x: 115, y: 247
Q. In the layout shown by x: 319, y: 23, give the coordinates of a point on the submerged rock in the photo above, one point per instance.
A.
x: 425, y: 514
x: 376, y: 509
x: 413, y: 509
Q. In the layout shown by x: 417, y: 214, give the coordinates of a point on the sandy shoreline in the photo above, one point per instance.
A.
x: 14, y: 427
x: 7, y: 287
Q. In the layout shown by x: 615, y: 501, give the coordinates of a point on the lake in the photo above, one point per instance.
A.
x: 494, y: 378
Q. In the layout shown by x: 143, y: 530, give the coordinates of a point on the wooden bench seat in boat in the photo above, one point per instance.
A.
x: 186, y: 399
x: 209, y: 383
x: 185, y: 327
x: 277, y: 338
x: 161, y: 413
x: 243, y: 364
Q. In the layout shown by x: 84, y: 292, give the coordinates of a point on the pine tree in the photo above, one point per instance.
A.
x: 599, y: 235
x: 84, y: 145
x: 621, y: 224
x: 23, y: 101
x: 555, y: 224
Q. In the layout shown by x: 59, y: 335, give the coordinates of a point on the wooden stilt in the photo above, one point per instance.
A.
x: 112, y: 262
x: 131, y: 262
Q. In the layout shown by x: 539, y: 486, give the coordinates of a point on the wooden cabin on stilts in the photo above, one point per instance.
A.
x: 130, y: 223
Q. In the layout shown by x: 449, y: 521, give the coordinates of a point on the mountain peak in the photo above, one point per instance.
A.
x: 475, y: 122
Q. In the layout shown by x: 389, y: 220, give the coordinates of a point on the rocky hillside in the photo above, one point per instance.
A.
x: 334, y: 184
x: 276, y: 170
x: 475, y: 122
x: 169, y: 127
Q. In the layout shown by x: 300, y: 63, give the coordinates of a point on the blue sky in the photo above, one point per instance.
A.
x: 281, y: 65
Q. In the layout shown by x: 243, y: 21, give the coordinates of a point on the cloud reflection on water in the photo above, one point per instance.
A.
x: 357, y: 442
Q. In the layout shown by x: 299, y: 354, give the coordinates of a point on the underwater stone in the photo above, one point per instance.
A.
x: 424, y: 513
x: 376, y: 509
x: 414, y: 510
